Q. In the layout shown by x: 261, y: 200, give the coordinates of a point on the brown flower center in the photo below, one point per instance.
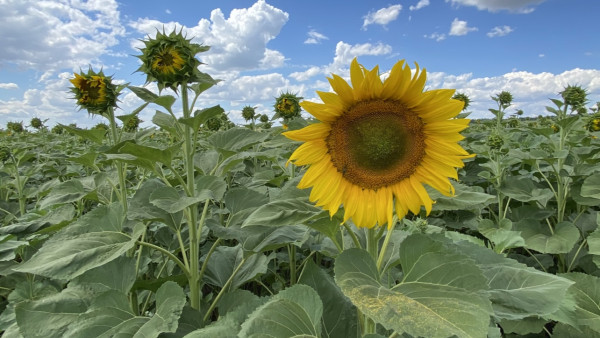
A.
x: 376, y: 143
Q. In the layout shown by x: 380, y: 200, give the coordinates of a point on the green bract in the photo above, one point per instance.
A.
x: 170, y: 60
x: 95, y: 91
x: 287, y: 105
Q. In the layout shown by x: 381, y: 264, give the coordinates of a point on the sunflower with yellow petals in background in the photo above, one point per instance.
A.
x: 95, y: 91
x: 378, y: 142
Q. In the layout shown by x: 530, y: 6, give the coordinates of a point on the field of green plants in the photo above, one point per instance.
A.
x: 195, y: 227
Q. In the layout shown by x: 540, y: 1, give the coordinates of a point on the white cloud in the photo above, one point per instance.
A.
x: 541, y: 55
x: 52, y: 35
x: 419, y: 5
x: 315, y: 37
x: 382, y: 16
x: 459, y: 27
x: 436, y: 36
x: 307, y: 74
x: 516, y: 6
x: 531, y: 91
x: 344, y: 53
x: 168, y: 11
x: 237, y: 43
x: 499, y: 31
x: 9, y: 85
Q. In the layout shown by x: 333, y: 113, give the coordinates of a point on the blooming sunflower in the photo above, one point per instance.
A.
x: 378, y: 142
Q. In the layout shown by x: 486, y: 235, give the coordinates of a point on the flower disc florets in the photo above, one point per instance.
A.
x: 95, y: 91
x: 170, y: 60
x: 287, y: 105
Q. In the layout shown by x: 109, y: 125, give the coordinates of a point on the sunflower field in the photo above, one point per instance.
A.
x: 387, y: 213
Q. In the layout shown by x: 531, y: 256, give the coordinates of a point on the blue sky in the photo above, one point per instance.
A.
x: 260, y: 48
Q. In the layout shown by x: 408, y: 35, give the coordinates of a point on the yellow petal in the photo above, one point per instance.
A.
x: 309, y: 152
x: 393, y: 82
x: 311, y: 132
x: 356, y: 75
x: 343, y: 89
x: 321, y: 111
x: 422, y: 193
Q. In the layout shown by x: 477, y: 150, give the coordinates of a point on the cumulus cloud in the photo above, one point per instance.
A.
x: 315, y: 37
x: 237, y: 42
x: 531, y: 91
x: 52, y: 35
x: 516, y: 6
x: 419, y: 5
x: 9, y: 85
x: 459, y: 27
x: 499, y: 31
x: 382, y: 16
x: 344, y: 53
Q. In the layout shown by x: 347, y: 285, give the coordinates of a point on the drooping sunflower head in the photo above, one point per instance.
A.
x: 95, y: 91
x: 574, y: 96
x: 170, y: 60
x: 378, y: 142
x: 287, y: 106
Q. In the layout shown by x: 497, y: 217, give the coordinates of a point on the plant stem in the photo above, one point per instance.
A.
x: 189, y: 149
x: 225, y: 287
x: 353, y: 235
x: 169, y: 254
x: 385, y: 244
x: 120, y: 168
x: 292, y: 258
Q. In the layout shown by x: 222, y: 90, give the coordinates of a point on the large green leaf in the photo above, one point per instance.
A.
x: 339, y: 314
x: 524, y: 189
x: 69, y: 257
x: 261, y: 239
x: 235, y: 139
x: 170, y: 300
x: 66, y: 192
x: 57, y: 216
x: 502, y: 235
x: 293, y: 312
x: 166, y: 122
x: 201, y: 116
x: 225, y: 260
x: 234, y: 308
x: 141, y: 208
x: 586, y: 292
x: 110, y: 316
x: 425, y: 304
x: 539, y: 237
x: 118, y: 275
x: 282, y: 213
x: 591, y: 186
x: 94, y: 135
x: 241, y: 198
x: 171, y: 201
x: 516, y: 290
x: 50, y: 317
x: 466, y: 198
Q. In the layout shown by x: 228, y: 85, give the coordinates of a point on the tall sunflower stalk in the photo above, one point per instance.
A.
x: 495, y: 143
x: 96, y: 93
x: 375, y: 145
x: 170, y: 61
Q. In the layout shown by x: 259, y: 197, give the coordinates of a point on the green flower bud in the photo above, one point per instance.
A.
x: 287, y: 105
x: 464, y: 98
x: 170, y: 60
x: 574, y: 96
x: 248, y: 113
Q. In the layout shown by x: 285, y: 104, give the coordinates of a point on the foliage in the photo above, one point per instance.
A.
x: 186, y: 230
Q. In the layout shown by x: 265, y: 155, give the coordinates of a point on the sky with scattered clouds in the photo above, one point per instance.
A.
x: 261, y: 48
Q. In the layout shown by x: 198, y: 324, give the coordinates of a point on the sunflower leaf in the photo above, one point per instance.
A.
x: 438, y: 297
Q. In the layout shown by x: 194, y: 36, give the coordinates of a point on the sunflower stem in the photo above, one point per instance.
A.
x: 352, y: 235
x: 372, y: 245
x: 120, y: 168
x: 385, y: 244
x: 192, y: 215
